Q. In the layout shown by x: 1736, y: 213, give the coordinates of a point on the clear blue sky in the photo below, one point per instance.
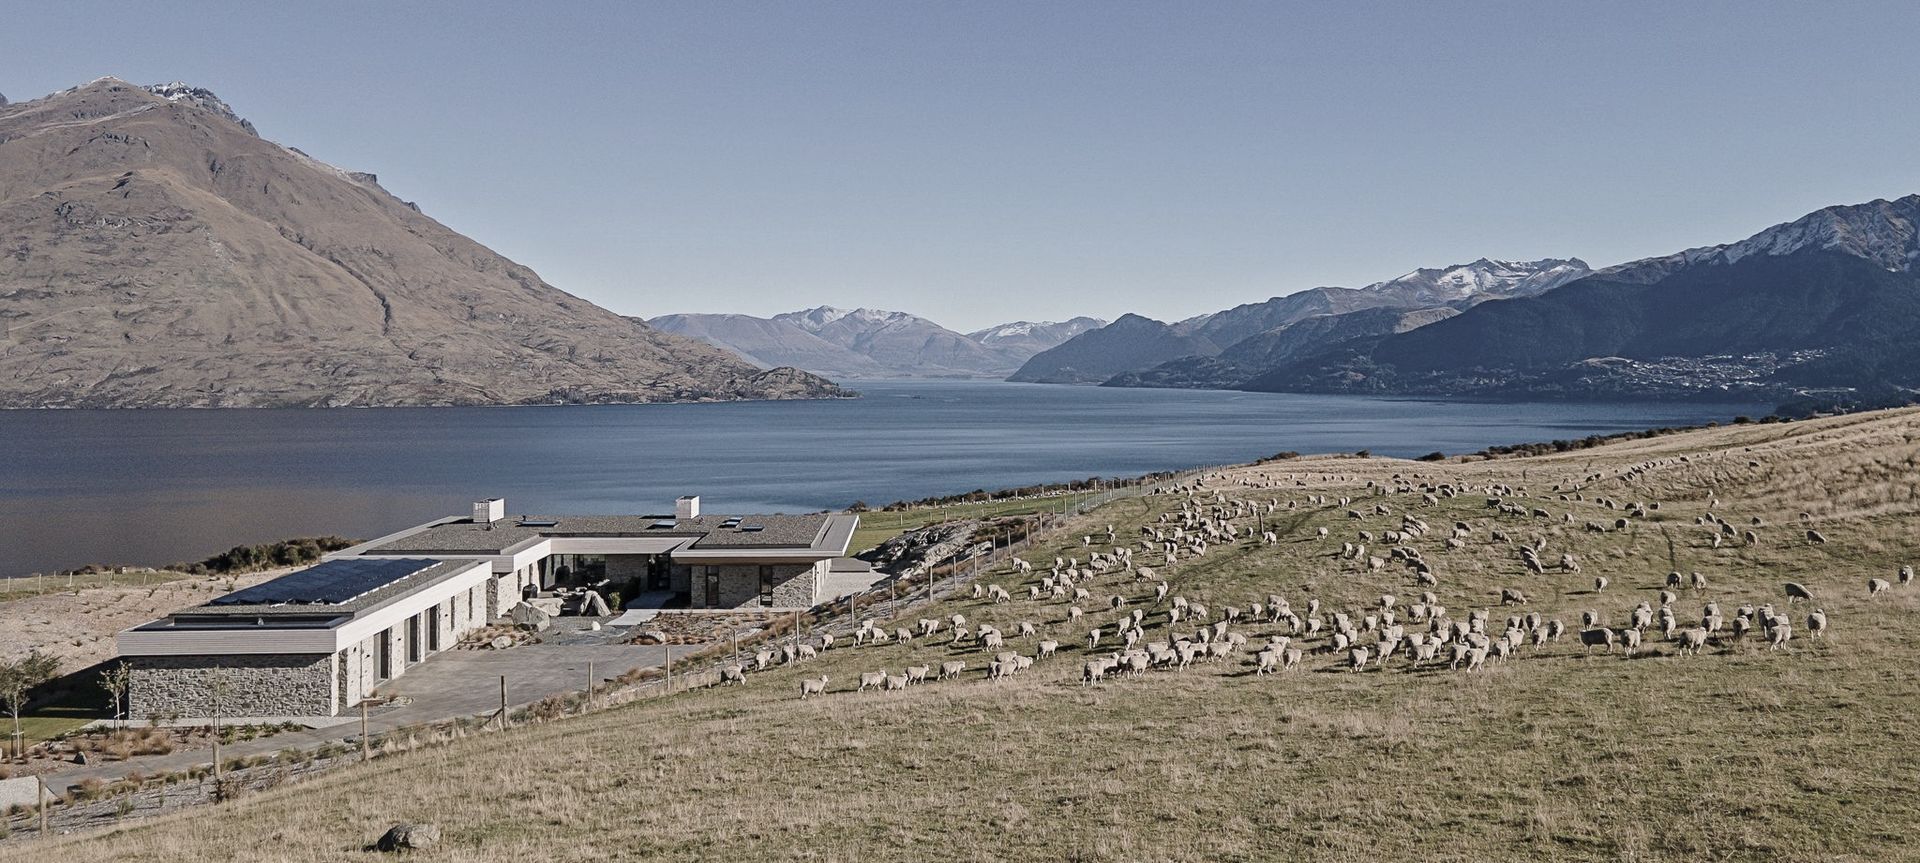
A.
x: 976, y: 162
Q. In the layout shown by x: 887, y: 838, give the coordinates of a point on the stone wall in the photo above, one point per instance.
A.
x: 794, y: 585
x: 276, y: 684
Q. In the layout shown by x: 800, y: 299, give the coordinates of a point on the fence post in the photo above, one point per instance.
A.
x: 503, y: 702
x: 589, y: 686
x: 366, y: 746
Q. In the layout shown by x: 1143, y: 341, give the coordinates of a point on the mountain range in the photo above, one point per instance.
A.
x: 870, y: 343
x: 1823, y: 309
x: 156, y: 251
x: 1130, y: 350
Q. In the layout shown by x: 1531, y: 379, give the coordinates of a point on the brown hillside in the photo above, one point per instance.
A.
x: 159, y: 253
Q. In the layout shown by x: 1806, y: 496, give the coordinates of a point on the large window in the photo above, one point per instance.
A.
x: 766, y: 586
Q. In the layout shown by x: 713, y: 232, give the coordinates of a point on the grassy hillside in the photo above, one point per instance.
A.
x: 1740, y: 753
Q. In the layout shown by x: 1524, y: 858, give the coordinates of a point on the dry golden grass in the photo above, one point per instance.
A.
x: 1738, y: 754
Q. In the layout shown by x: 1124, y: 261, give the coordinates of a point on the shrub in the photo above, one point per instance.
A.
x: 1436, y: 455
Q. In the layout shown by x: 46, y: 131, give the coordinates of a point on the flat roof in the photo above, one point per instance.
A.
x: 716, y: 532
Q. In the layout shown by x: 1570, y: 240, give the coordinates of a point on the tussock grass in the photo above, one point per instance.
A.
x: 1738, y: 754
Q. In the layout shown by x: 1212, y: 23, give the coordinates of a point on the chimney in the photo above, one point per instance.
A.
x: 490, y: 510
x: 687, y: 506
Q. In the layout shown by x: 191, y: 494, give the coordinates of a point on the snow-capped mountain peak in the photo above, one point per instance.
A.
x: 815, y: 319
x: 1882, y: 231
x: 181, y: 91
x: 1050, y: 332
x: 1481, y: 279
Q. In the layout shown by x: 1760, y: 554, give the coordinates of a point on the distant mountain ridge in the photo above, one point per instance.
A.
x: 1097, y: 357
x: 1824, y: 309
x: 159, y: 253
x: 873, y: 342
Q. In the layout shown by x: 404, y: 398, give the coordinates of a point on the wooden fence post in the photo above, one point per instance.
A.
x: 503, y: 702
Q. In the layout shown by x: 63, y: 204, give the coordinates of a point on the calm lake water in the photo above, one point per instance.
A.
x: 156, y: 486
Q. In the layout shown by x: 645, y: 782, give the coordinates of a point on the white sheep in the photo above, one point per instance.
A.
x: 813, y: 687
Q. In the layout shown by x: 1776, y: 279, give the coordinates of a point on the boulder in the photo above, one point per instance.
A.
x: 502, y: 642
x: 594, y: 626
x: 527, y: 616
x: 593, y: 605
x: 409, y: 837
x: 652, y: 636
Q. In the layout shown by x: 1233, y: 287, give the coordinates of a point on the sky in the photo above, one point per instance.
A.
x: 981, y: 162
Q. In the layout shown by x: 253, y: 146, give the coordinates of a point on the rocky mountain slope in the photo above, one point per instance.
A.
x: 155, y: 251
x: 873, y: 342
x: 1099, y: 357
x: 1129, y: 343
x: 1252, y: 356
x: 1822, y: 307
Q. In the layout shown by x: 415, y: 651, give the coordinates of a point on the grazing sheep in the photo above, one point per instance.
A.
x: 1512, y: 596
x: 1779, y: 634
x: 1691, y: 640
x: 1674, y: 580
x: 1816, y: 537
x: 1600, y: 584
x: 1698, y: 581
x: 1093, y: 670
x: 1630, y: 639
x: 813, y: 687
x: 896, y: 683
x: 1797, y: 591
x: 918, y: 673
x: 1597, y: 637
x: 1358, y: 657
x: 733, y: 673
x: 1877, y: 586
x: 1268, y: 662
x: 871, y: 680
x: 826, y: 640
x: 1816, y: 623
x: 1093, y: 638
x: 1291, y: 658
x: 807, y: 652
x: 1048, y: 647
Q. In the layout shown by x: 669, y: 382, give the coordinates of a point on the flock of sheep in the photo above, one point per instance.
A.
x: 1128, y: 619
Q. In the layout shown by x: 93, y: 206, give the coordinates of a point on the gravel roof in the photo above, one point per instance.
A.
x: 463, y: 536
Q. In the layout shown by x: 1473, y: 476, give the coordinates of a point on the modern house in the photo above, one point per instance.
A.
x: 317, y: 641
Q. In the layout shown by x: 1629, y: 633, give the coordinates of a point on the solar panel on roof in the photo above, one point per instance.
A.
x: 752, y: 528
x: 664, y: 523
x: 538, y: 522
x: 330, y: 583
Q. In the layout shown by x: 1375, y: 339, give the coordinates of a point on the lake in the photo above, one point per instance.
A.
x: 158, y: 486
